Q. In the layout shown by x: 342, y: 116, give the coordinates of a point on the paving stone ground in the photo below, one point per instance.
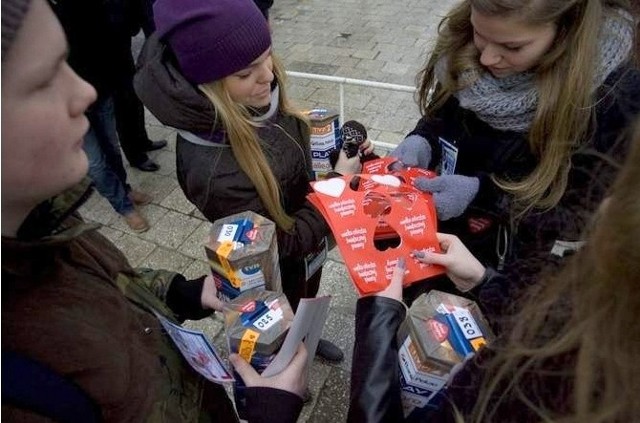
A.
x: 377, y: 40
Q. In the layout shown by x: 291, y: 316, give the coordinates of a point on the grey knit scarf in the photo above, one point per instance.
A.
x: 510, y: 103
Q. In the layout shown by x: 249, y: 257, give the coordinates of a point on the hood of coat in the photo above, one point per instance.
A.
x: 172, y: 99
x: 176, y: 102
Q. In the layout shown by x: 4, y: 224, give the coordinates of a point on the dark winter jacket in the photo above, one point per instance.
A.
x: 71, y: 301
x: 483, y: 150
x: 99, y: 36
x: 210, y: 175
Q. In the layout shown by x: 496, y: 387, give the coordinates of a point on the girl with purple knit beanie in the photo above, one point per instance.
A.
x: 210, y: 72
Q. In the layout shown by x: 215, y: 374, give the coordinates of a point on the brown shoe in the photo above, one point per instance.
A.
x: 139, y: 198
x: 136, y: 222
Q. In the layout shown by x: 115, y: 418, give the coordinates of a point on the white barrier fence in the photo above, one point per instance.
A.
x: 341, y: 81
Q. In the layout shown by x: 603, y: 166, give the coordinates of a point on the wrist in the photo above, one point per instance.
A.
x: 482, y: 276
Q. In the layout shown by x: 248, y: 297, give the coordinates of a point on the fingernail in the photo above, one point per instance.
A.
x: 401, y: 263
x: 418, y: 254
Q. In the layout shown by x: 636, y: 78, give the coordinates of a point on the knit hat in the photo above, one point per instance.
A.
x: 212, y: 38
x: 13, y: 12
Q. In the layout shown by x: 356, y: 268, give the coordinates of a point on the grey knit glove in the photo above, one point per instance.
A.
x: 413, y: 151
x: 452, y: 194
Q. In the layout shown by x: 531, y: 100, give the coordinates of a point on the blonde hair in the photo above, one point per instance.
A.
x: 243, y: 139
x: 564, y: 80
x: 587, y: 317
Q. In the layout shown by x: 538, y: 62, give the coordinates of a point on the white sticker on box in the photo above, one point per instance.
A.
x: 467, y: 323
x: 227, y: 232
x: 442, y: 309
x: 268, y: 319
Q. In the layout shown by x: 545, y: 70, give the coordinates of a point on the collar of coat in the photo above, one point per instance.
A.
x: 46, y: 224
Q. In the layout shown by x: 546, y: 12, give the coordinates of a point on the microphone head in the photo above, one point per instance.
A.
x: 353, y: 132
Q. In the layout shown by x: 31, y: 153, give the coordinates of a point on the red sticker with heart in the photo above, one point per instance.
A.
x: 248, y: 307
x: 439, y: 330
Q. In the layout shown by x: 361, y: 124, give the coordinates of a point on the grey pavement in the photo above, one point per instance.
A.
x: 378, y: 40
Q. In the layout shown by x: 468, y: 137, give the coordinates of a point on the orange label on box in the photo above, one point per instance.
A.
x: 478, y: 343
x: 376, y: 218
x: 223, y: 252
x: 248, y: 344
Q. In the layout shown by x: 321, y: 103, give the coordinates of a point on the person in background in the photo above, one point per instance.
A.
x: 80, y: 340
x: 209, y: 71
x: 99, y: 35
x: 129, y: 112
x: 526, y: 122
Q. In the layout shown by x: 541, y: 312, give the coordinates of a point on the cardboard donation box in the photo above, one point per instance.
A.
x: 440, y: 331
x: 377, y: 218
x: 325, y: 137
x: 256, y: 323
x: 242, y: 251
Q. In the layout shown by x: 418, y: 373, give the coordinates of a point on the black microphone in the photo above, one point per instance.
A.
x: 353, y: 135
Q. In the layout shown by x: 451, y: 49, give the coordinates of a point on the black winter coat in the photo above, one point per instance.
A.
x: 483, y: 150
x: 211, y: 177
x: 99, y: 36
x: 72, y: 302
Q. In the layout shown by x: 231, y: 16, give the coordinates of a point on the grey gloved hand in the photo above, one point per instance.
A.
x: 413, y: 151
x: 452, y: 194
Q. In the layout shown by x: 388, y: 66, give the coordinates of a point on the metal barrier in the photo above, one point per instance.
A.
x: 341, y: 81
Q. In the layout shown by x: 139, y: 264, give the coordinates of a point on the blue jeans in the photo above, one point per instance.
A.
x: 105, y: 161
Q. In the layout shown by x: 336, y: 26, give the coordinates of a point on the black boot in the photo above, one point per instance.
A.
x: 329, y: 351
x: 146, y: 166
x: 156, y: 145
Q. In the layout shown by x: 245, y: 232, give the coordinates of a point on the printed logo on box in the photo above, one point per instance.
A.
x: 321, y: 165
x: 412, y: 371
x: 321, y: 155
x: 322, y: 130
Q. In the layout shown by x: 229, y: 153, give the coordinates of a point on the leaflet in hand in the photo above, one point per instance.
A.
x: 198, y: 351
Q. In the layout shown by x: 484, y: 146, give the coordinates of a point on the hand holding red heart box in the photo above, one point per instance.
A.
x: 358, y: 206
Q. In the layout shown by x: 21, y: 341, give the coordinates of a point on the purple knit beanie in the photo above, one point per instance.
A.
x: 212, y: 38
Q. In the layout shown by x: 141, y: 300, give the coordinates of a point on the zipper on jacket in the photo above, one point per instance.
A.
x: 502, y: 246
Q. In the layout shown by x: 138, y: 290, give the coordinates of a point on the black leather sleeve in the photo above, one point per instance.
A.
x: 375, y: 379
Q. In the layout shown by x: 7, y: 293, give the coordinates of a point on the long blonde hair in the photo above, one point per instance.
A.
x: 564, y: 80
x: 241, y: 133
x: 597, y: 339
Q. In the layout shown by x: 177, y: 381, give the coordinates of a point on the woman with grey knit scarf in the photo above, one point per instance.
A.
x: 525, y: 105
